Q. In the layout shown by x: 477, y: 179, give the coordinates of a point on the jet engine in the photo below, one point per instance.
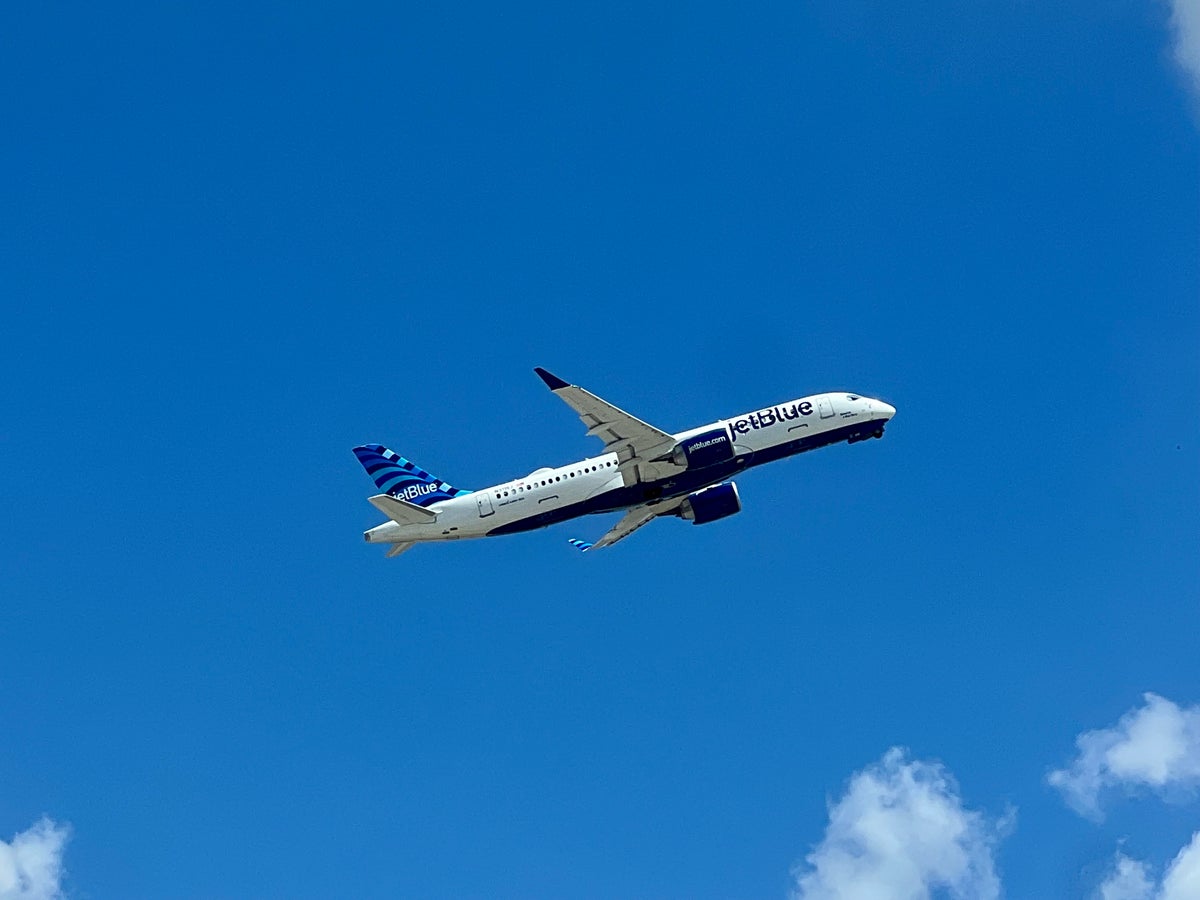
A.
x: 703, y: 450
x: 712, y: 503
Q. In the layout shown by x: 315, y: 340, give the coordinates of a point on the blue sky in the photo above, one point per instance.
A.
x: 239, y: 241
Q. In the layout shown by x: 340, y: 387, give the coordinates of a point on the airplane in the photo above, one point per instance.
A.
x: 644, y: 472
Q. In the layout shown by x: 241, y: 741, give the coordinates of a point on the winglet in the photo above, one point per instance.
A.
x: 552, y: 381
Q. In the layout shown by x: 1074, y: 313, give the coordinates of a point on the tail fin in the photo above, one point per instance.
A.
x: 396, y: 476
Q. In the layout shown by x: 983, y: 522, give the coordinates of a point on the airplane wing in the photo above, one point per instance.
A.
x: 635, y: 517
x: 635, y: 443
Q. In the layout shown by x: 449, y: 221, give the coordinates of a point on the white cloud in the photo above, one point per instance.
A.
x: 31, y: 866
x: 900, y: 832
x: 1185, y: 22
x: 1182, y: 881
x: 1130, y: 879
x: 1155, y: 746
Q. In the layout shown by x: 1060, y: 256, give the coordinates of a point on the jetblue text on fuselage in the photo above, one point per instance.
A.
x: 765, y: 418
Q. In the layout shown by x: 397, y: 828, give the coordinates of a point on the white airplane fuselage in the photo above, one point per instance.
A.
x: 598, y: 484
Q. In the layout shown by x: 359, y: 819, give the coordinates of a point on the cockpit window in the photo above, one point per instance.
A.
x: 851, y: 397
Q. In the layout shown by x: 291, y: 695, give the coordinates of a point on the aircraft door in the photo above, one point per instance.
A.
x: 825, y: 407
x: 484, y: 500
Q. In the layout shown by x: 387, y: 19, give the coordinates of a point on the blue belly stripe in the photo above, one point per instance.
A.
x: 686, y: 482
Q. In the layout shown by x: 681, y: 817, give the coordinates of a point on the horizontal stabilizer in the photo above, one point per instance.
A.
x: 401, y: 511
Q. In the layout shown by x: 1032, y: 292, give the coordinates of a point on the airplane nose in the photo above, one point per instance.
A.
x: 881, y: 410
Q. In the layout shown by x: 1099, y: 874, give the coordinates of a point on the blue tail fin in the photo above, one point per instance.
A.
x: 396, y: 476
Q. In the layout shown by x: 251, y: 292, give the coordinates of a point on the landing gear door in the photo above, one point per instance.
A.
x: 825, y: 407
x: 485, y: 504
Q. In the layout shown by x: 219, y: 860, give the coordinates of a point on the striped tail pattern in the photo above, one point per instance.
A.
x: 396, y: 476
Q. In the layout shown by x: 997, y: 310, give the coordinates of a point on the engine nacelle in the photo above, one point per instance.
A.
x: 702, y: 450
x: 712, y: 503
